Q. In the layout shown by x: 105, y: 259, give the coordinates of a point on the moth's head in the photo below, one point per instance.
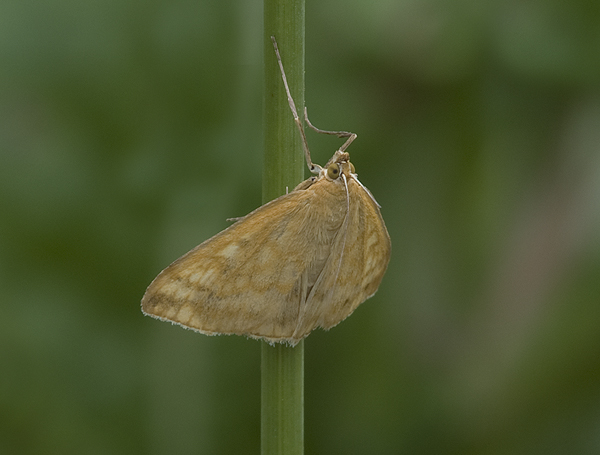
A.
x: 338, y: 164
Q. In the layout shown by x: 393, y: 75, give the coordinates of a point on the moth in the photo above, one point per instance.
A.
x: 304, y: 260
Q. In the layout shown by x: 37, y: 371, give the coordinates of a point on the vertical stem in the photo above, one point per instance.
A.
x: 282, y: 367
x: 282, y: 399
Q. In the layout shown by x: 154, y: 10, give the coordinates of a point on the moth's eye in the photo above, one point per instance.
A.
x: 333, y: 171
x: 352, y: 170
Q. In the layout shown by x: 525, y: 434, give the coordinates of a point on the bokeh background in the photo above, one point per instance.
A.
x: 130, y: 131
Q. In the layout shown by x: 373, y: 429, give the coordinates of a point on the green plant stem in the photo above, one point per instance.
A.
x: 282, y: 399
x: 282, y: 366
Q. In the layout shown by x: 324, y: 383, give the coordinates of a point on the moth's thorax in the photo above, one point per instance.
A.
x: 332, y: 196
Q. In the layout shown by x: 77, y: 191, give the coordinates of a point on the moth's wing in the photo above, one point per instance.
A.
x: 249, y: 279
x: 357, y: 262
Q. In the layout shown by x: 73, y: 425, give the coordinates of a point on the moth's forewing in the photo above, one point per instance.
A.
x: 238, y: 282
x: 365, y: 259
x: 358, y: 259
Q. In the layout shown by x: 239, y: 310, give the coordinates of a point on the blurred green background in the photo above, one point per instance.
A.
x: 130, y: 131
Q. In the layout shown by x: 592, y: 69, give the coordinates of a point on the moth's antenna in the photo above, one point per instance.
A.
x: 314, y: 168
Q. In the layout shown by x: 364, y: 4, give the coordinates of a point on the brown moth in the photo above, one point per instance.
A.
x: 304, y: 260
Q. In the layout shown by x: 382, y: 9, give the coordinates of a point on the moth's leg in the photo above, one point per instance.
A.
x: 314, y: 168
x: 340, y: 134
